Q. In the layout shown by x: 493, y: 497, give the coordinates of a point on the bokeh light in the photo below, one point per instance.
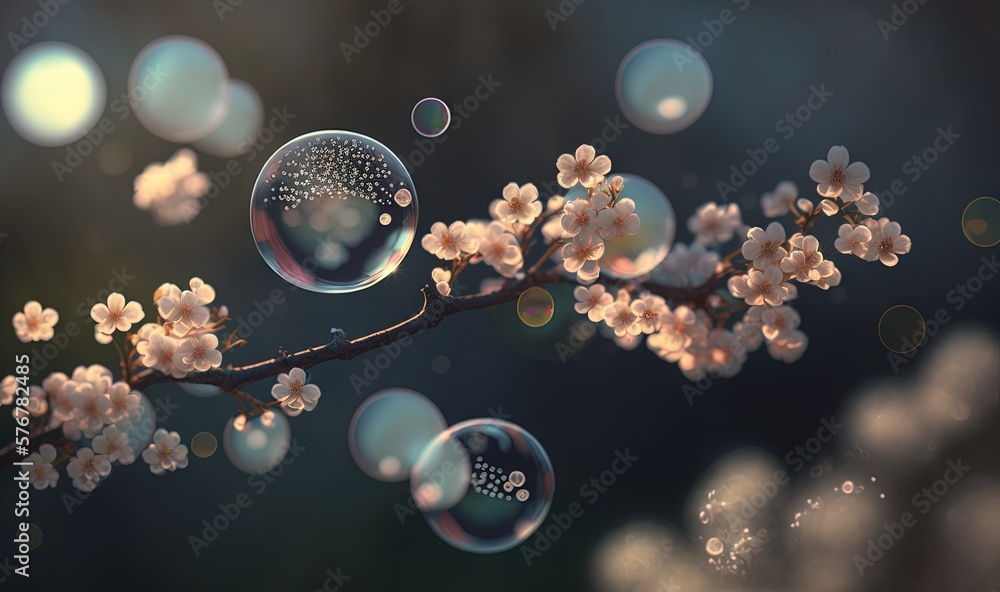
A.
x: 178, y: 87
x: 244, y: 117
x: 430, y: 117
x: 535, y: 307
x: 981, y: 222
x: 630, y: 256
x: 564, y: 336
x: 901, y: 329
x: 390, y: 430
x: 316, y: 209
x: 53, y: 93
x: 663, y: 86
x: 257, y: 445
x: 204, y: 444
x: 459, y: 480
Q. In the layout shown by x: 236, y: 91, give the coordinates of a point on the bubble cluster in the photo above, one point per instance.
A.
x: 179, y: 88
x: 325, y: 214
x: 663, y: 86
x: 259, y: 444
x: 630, y: 256
x: 535, y: 307
x: 461, y: 481
x: 389, y: 431
x: 430, y: 117
x: 53, y: 93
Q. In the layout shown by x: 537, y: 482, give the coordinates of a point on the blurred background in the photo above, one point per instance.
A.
x: 64, y: 235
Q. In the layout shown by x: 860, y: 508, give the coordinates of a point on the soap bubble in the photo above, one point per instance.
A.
x: 534, y: 307
x: 239, y: 128
x: 981, y: 222
x: 403, y: 197
x: 901, y: 329
x: 565, y: 335
x: 389, y: 431
x: 257, y: 445
x: 53, y: 93
x: 663, y: 86
x: 204, y: 444
x: 317, y: 212
x: 430, y: 117
x: 179, y: 88
x: 458, y: 484
x: 630, y: 256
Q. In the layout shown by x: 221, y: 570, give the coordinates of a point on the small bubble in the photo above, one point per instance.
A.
x: 385, y: 219
x: 517, y: 478
x: 522, y: 495
x: 714, y: 546
x: 204, y: 445
x: 403, y: 197
x: 848, y: 487
x: 508, y: 487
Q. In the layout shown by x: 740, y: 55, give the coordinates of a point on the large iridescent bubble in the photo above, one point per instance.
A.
x: 663, y: 86
x: 390, y: 430
x: 178, y: 87
x: 53, y: 93
x: 257, y: 445
x: 484, y: 485
x: 630, y: 256
x: 333, y: 212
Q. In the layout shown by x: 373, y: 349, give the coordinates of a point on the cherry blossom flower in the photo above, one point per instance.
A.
x: 802, y: 263
x: 116, y: 314
x: 867, y: 204
x: 678, y: 329
x: 448, y: 242
x: 835, y: 175
x: 689, y: 267
x: 886, y: 242
x: 166, y: 453
x: 591, y: 301
x: 87, y: 469
x: 581, y: 254
x: 749, y: 330
x: 205, y: 292
x: 778, y: 321
x: 759, y: 287
x: 584, y: 168
x: 7, y: 389
x: 158, y: 353
x: 198, y: 353
x: 579, y: 217
x: 853, y: 240
x: 520, y: 204
x: 295, y: 395
x: 649, y: 311
x: 829, y: 276
x: 167, y: 290
x: 38, y: 403
x: 619, y: 316
x: 829, y: 207
x: 41, y: 474
x: 779, y: 202
x: 500, y: 249
x: 764, y: 248
x: 714, y: 224
x: 35, y: 323
x: 90, y: 409
x: 184, y: 313
x: 126, y: 404
x: 805, y: 206
x: 789, y: 348
x: 58, y: 385
x: 618, y: 220
x: 96, y: 375
x: 727, y: 353
x: 113, y: 443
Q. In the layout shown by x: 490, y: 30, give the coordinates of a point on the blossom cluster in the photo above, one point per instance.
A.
x: 581, y: 226
x: 171, y: 189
